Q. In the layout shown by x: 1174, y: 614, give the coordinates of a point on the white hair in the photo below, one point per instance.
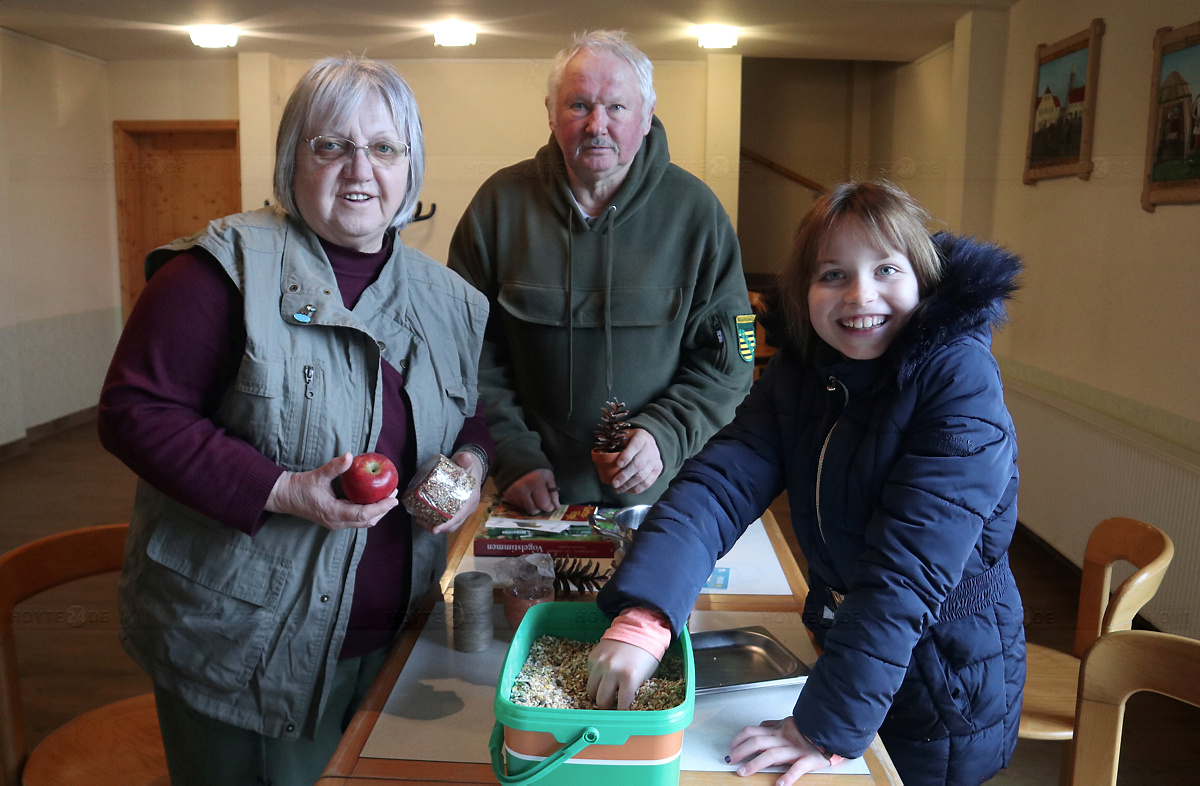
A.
x: 616, y: 42
x: 331, y: 91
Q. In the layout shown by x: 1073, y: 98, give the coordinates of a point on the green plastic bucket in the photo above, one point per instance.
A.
x: 584, y: 747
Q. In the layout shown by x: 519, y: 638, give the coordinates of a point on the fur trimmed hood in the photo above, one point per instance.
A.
x: 977, y: 280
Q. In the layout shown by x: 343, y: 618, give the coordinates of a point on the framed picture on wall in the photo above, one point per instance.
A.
x: 1063, y: 112
x: 1173, y: 135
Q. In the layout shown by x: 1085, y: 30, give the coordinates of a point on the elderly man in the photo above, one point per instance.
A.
x: 612, y: 273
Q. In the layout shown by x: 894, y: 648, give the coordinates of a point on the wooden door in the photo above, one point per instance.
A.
x: 172, y: 178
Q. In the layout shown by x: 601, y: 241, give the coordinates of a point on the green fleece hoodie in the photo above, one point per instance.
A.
x: 640, y: 304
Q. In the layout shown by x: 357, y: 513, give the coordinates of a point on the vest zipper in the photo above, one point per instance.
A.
x: 831, y: 385
x: 309, y: 373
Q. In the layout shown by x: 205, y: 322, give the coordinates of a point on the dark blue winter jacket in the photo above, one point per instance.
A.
x: 902, y: 479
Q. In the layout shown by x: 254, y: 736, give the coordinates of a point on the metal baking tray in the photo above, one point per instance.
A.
x: 742, y: 658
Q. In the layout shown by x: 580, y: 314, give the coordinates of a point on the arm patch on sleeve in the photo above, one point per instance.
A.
x: 745, y: 336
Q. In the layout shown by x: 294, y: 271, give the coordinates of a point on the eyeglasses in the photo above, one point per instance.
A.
x: 331, y: 149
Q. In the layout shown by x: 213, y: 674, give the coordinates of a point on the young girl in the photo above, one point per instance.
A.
x: 883, y: 417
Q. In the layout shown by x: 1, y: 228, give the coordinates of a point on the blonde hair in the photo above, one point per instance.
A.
x: 891, y: 219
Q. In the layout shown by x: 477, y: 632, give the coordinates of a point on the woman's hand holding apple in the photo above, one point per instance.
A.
x: 310, y: 495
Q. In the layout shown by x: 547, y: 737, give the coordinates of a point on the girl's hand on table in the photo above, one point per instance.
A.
x: 777, y: 742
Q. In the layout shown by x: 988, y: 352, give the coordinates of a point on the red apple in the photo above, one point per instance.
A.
x: 371, y: 477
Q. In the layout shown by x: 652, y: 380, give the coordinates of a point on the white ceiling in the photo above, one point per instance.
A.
x: 899, y: 30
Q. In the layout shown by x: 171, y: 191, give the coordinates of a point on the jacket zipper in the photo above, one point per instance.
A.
x: 831, y: 385
x: 309, y: 373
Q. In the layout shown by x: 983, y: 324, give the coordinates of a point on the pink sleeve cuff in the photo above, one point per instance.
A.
x: 643, y: 628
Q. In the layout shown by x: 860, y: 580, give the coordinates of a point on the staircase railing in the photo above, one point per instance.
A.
x: 796, y: 177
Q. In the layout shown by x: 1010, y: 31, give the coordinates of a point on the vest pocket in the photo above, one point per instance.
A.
x: 252, y: 404
x: 213, y: 596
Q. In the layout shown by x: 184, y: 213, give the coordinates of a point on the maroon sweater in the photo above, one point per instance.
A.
x: 179, y: 353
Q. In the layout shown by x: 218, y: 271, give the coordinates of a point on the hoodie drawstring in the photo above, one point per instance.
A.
x: 610, y: 215
x: 608, y: 219
x: 567, y: 315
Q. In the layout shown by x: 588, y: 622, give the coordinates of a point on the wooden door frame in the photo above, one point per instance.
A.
x: 129, y: 190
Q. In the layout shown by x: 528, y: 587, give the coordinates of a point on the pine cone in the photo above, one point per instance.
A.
x: 613, y: 433
x: 576, y: 575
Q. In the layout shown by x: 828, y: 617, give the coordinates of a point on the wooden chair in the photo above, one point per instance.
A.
x: 118, y: 743
x: 1052, y: 678
x: 1117, y: 666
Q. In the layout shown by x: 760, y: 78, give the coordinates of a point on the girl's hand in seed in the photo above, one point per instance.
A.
x: 615, y: 672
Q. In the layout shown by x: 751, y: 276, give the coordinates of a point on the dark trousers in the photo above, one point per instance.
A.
x: 202, y: 751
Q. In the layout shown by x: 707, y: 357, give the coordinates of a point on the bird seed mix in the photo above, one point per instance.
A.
x: 555, y: 675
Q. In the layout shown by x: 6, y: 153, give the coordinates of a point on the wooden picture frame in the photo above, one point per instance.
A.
x: 1062, y: 115
x: 1172, y: 173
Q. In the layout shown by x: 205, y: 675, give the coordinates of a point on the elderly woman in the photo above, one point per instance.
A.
x: 265, y: 351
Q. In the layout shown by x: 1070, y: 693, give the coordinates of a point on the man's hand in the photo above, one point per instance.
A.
x: 615, y: 672
x: 640, y: 463
x: 534, y: 492
x: 777, y: 742
x: 309, y: 495
x: 471, y: 463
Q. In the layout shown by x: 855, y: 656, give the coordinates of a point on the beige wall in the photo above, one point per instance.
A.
x: 481, y: 115
x: 12, y: 416
x: 1104, y: 318
x: 478, y: 117
x: 173, y: 89
x: 1107, y: 317
x: 910, y: 125
x: 798, y: 114
x: 59, y: 282
x: 59, y: 267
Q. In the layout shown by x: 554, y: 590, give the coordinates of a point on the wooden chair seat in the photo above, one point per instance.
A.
x: 1052, y: 677
x: 118, y: 743
x: 115, y: 745
x: 1048, y: 712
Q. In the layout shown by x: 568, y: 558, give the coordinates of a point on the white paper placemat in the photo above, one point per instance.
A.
x: 719, y: 716
x: 441, y: 706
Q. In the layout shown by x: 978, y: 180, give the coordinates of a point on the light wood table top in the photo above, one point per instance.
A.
x: 349, y: 767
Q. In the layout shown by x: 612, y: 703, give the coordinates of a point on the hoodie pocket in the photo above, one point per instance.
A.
x: 641, y: 307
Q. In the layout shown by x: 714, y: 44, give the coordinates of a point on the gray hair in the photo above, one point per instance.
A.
x: 332, y: 91
x: 616, y: 42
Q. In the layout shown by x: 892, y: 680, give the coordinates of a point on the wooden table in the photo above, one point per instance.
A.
x: 349, y: 768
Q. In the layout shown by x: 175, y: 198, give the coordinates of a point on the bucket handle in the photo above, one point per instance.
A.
x: 586, y: 737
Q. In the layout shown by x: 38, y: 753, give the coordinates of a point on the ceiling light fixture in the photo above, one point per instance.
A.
x: 716, y: 36
x: 453, y: 33
x: 213, y: 36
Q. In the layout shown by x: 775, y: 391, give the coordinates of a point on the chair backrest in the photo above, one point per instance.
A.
x: 1150, y: 551
x: 1117, y: 666
x: 24, y: 572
